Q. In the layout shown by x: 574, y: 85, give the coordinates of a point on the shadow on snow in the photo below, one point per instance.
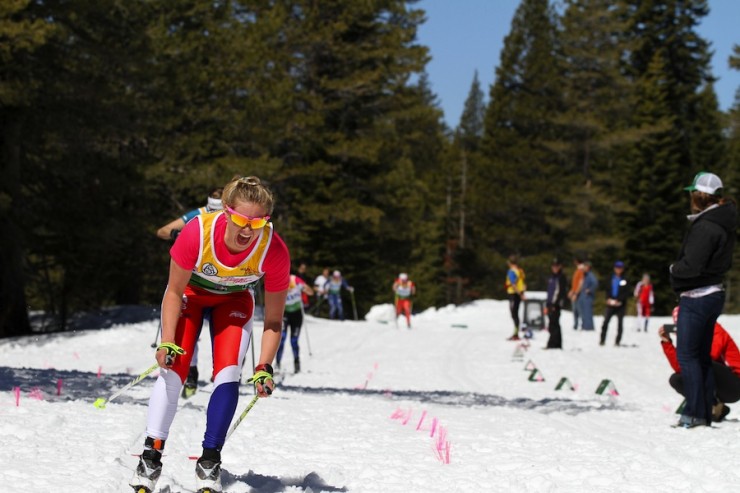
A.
x: 78, y: 385
x: 272, y: 484
x: 470, y: 399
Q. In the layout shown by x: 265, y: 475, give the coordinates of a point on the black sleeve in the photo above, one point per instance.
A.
x: 698, y: 249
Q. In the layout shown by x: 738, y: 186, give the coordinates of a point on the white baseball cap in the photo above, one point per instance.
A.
x: 403, y: 276
x: 214, y: 204
x: 336, y: 273
x: 707, y: 183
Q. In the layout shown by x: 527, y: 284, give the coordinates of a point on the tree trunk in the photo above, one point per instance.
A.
x: 13, y: 310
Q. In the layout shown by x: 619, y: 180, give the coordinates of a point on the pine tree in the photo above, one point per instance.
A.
x: 731, y: 181
x: 80, y: 141
x: 514, y: 194
x: 596, y: 129
x: 352, y: 151
x: 708, y: 149
x: 670, y: 64
x: 460, y: 252
x: 22, y: 37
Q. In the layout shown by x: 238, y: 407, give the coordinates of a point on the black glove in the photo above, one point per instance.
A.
x: 174, y: 233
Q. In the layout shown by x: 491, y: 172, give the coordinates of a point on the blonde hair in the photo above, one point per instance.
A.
x: 248, y: 189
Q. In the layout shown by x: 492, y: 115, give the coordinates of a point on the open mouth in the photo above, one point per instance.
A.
x: 243, y: 239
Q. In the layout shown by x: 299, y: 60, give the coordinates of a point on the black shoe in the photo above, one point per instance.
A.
x: 297, y: 365
x: 192, y: 376
x: 191, y: 383
x: 720, y: 412
x: 149, y: 468
x: 208, y: 475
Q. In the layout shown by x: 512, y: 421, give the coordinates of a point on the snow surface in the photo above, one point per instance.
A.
x: 376, y: 409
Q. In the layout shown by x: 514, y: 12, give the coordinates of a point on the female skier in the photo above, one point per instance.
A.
x: 216, y: 260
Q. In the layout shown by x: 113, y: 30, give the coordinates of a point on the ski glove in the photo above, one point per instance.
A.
x: 172, y: 351
x: 262, y: 375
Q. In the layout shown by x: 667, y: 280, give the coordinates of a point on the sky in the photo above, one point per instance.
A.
x: 448, y: 406
x: 467, y: 35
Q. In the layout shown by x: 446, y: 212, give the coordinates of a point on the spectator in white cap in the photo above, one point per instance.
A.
x: 697, y: 277
x: 334, y: 292
x: 404, y: 290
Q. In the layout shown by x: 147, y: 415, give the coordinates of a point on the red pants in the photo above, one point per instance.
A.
x: 230, y: 313
x: 403, y: 306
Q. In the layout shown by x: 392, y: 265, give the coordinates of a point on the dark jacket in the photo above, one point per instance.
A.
x: 706, y: 252
x: 557, y: 290
x: 623, y: 291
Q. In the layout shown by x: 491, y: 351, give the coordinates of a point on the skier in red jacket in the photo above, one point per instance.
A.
x: 725, y: 366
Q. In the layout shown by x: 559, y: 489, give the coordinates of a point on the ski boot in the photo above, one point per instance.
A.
x: 208, y: 472
x: 150, y: 466
x: 191, y: 383
x: 297, y: 365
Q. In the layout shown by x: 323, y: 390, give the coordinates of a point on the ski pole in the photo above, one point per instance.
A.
x: 354, y: 305
x: 101, y: 402
x: 304, y: 326
x: 242, y: 415
x: 317, y: 307
x: 251, y: 343
x: 156, y: 335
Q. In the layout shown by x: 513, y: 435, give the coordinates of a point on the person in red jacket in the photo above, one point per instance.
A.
x: 404, y: 290
x: 725, y: 364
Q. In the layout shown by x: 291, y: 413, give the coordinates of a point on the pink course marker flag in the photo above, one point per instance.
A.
x: 421, y: 420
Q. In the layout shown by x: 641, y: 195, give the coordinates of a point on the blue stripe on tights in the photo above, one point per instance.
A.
x: 221, y: 409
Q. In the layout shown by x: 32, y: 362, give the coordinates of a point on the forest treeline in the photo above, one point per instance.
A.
x: 118, y: 116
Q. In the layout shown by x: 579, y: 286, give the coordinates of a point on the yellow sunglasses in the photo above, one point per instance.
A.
x: 244, y: 221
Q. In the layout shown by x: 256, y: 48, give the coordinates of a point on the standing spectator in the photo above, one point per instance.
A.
x: 616, y: 302
x: 293, y: 320
x: 725, y: 366
x: 404, y: 290
x: 243, y: 244
x: 334, y: 291
x: 697, y: 276
x: 319, y: 289
x: 556, y: 296
x: 645, y: 301
x: 575, y: 289
x: 586, y: 295
x: 515, y: 287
